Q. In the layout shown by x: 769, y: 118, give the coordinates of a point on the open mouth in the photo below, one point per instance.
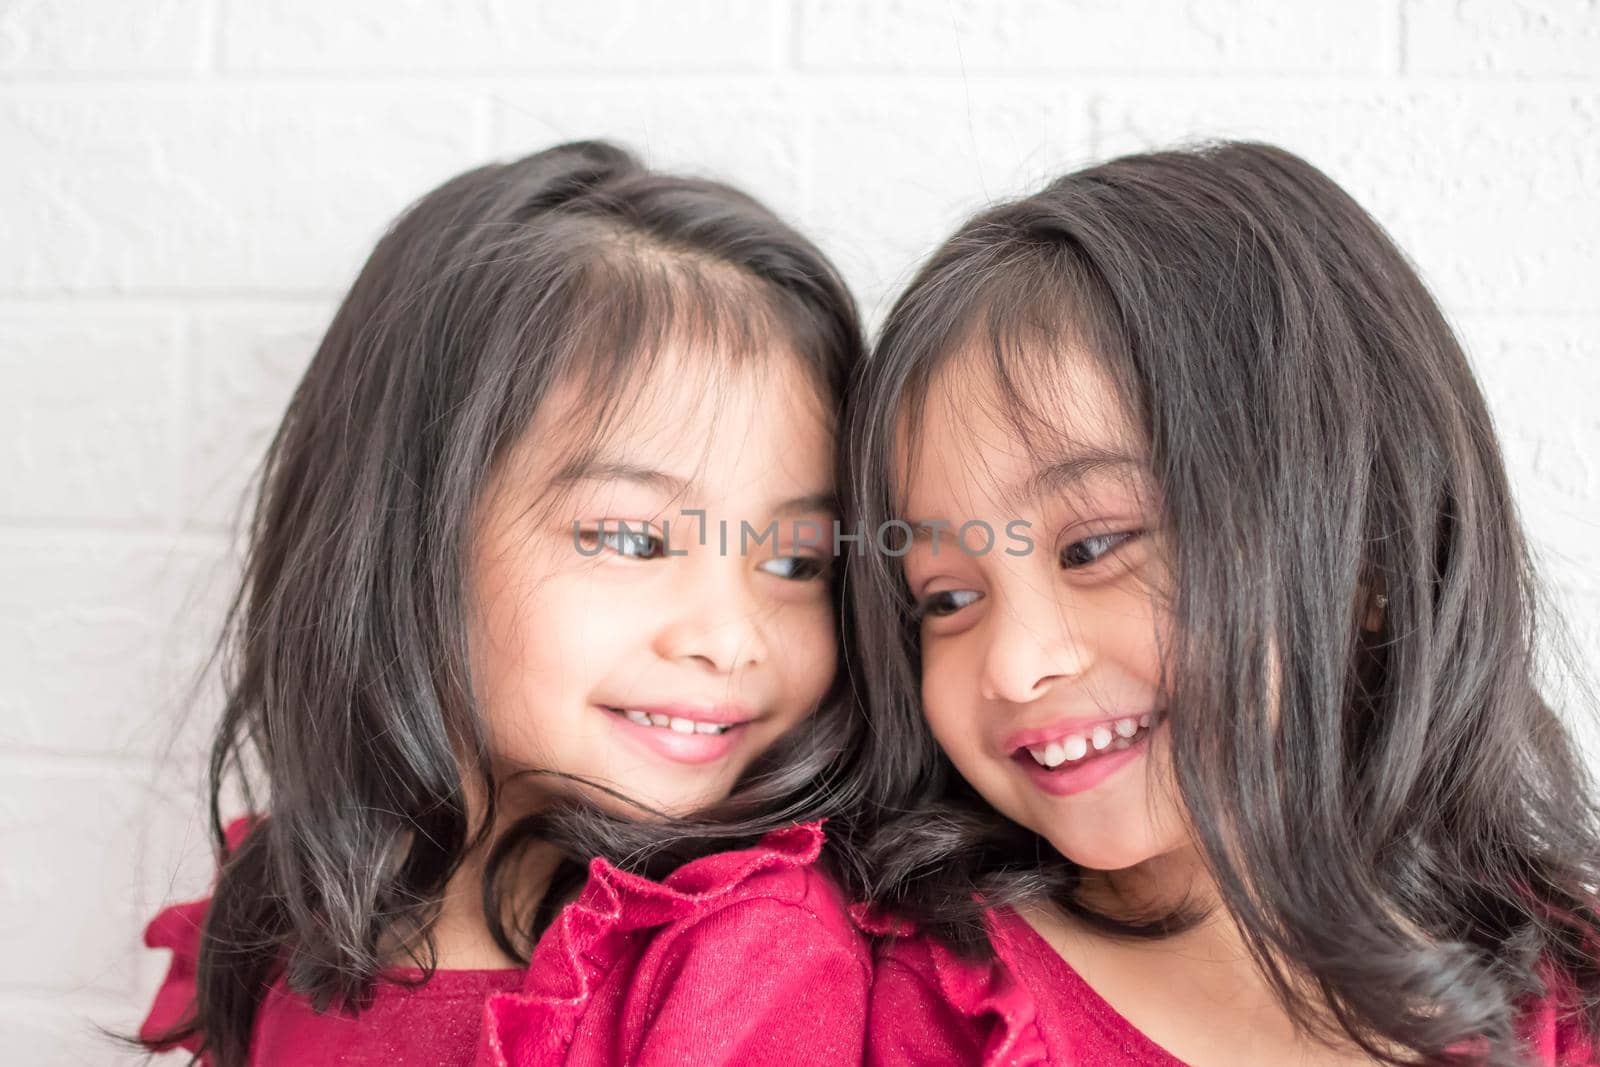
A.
x: 1086, y: 747
x: 1076, y: 762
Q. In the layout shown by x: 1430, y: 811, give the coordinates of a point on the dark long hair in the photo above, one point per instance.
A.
x: 1415, y: 844
x: 345, y: 651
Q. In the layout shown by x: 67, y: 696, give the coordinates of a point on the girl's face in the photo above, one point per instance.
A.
x: 661, y: 660
x: 1041, y: 675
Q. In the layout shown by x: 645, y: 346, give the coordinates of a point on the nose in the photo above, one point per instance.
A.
x: 718, y: 623
x: 1034, y: 643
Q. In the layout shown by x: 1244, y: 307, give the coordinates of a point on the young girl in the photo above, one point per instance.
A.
x: 1229, y: 750
x: 501, y: 616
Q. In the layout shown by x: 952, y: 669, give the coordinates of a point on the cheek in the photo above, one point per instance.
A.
x: 513, y: 672
x: 539, y: 646
x: 949, y: 699
x: 807, y: 647
x: 1133, y: 633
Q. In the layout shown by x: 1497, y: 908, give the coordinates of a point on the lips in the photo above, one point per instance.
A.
x: 1072, y: 756
x: 683, y: 733
x: 1062, y: 729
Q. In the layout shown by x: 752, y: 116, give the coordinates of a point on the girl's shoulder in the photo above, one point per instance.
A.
x: 933, y: 1005
x: 1025, y: 1005
x: 411, y: 1018
x: 177, y: 928
x: 1020, y: 1004
x: 747, y: 956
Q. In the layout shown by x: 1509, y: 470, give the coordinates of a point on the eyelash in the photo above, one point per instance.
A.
x: 934, y: 603
x: 938, y: 605
x: 1112, y: 541
x: 812, y: 568
x: 819, y: 568
x: 613, y: 539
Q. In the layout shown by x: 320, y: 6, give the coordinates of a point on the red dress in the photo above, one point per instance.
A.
x: 745, y: 957
x: 405, y: 1026
x: 1028, y: 1006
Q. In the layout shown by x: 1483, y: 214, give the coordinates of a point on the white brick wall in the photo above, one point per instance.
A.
x: 188, y: 185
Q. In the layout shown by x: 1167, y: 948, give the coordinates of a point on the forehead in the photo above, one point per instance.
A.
x: 693, y: 412
x: 982, y: 435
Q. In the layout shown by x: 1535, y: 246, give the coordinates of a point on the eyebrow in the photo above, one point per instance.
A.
x: 606, y: 470
x: 1052, y: 478
x: 600, y: 470
x: 1068, y: 473
x: 809, y: 502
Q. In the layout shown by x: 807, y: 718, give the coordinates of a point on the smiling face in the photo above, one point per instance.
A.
x: 1042, y: 664
x: 599, y: 654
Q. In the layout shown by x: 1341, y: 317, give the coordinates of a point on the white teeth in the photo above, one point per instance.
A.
x: 672, y: 722
x: 1114, y: 738
x: 1049, y: 756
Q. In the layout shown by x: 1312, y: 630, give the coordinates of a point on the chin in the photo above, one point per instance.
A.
x: 1105, y: 852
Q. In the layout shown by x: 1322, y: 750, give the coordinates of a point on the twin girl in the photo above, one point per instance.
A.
x: 1241, y: 760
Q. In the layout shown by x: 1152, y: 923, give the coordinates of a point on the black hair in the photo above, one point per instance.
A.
x: 1414, y: 841
x: 348, y: 690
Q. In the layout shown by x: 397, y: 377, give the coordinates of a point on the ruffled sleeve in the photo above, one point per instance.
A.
x: 931, y: 1006
x: 177, y: 928
x: 743, y: 957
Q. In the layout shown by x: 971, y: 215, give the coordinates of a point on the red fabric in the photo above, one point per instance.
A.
x: 405, y: 1026
x: 745, y: 957
x: 1028, y: 1006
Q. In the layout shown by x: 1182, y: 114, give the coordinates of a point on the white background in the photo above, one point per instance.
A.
x: 186, y: 186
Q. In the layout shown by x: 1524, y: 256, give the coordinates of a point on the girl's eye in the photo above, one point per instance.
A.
x: 946, y: 602
x: 796, y: 568
x: 1091, y: 550
x: 628, y: 542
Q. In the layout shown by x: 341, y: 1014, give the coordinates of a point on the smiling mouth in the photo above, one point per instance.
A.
x: 1082, y: 748
x: 675, y: 723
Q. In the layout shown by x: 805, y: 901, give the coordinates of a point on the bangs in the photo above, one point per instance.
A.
x: 1038, y: 316
x: 627, y: 313
x: 638, y: 302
